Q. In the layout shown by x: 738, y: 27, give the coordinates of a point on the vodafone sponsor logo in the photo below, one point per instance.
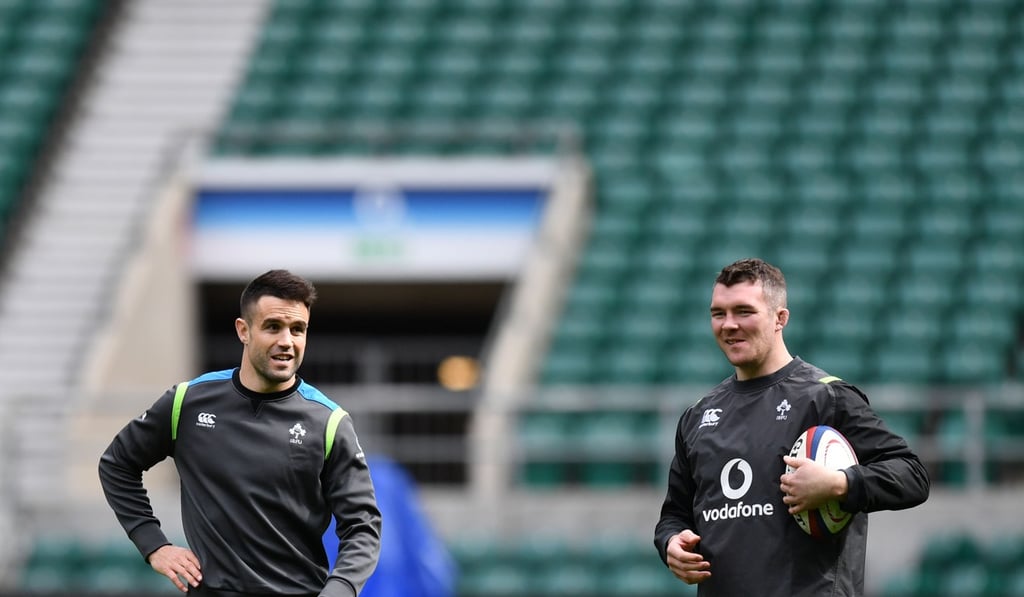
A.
x: 734, y: 493
x: 738, y: 510
x: 731, y: 491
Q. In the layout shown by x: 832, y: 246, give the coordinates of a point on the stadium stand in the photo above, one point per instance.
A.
x: 867, y: 150
x: 101, y: 142
x: 871, y: 149
x: 959, y: 564
x: 41, y: 47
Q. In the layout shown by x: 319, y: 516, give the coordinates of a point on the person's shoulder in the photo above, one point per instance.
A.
x: 814, y: 375
x: 315, y: 397
x: 205, y: 384
x: 212, y: 376
x: 724, y: 388
x: 805, y: 372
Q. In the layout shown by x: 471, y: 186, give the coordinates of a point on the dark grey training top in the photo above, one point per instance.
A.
x: 724, y: 484
x: 257, y: 487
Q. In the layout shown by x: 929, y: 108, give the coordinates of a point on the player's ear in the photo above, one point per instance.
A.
x: 242, y: 329
x: 781, y: 318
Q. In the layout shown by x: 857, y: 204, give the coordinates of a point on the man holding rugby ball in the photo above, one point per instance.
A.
x: 727, y: 519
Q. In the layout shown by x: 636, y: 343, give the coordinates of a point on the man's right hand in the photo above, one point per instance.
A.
x: 178, y: 564
x: 682, y: 559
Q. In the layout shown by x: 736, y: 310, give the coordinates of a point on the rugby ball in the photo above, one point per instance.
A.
x: 826, y: 446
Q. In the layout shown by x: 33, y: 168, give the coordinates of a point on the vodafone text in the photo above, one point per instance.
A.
x: 738, y: 510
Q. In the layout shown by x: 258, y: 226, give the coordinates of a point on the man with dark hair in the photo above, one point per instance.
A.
x: 265, y: 460
x: 732, y: 450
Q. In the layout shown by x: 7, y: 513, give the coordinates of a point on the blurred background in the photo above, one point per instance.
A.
x: 514, y: 211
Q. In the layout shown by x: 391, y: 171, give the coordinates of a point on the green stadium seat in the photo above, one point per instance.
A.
x: 498, y: 579
x: 1002, y: 438
x: 47, y: 579
x: 1014, y: 583
x: 619, y: 448
x: 913, y: 323
x: 991, y: 290
x: 311, y: 101
x: 927, y: 289
x: 942, y: 223
x: 903, y: 361
x: 474, y: 552
x: 536, y: 551
x: 1000, y: 255
x: 876, y: 223
x: 906, y: 584
x: 970, y: 579
x: 695, y: 362
x: 974, y: 362
x: 563, y: 367
x: 1004, y: 553
x: 572, y: 578
x: 544, y: 436
x: 1001, y: 156
x: 1002, y: 222
x: 122, y: 578
x: 981, y: 326
x: 647, y: 579
x: 842, y: 358
x: 45, y: 67
x: 813, y: 220
x: 650, y: 298
x: 944, y: 551
x: 29, y: 101
x: 54, y: 565
x: 632, y: 360
x: 908, y: 424
x: 951, y: 435
x: 861, y: 291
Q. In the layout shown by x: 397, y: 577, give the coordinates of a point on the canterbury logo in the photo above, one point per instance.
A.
x: 206, y: 420
x: 710, y: 417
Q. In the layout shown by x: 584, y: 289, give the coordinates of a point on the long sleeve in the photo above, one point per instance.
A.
x: 677, y: 509
x: 142, y: 443
x: 889, y: 476
x: 350, y: 494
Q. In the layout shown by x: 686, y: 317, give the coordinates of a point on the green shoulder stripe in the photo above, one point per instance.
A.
x: 179, y: 397
x: 830, y: 379
x: 332, y: 429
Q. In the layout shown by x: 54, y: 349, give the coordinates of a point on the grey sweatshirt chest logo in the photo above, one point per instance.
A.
x: 297, y: 432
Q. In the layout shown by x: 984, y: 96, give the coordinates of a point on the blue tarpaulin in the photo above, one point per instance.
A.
x: 414, y: 561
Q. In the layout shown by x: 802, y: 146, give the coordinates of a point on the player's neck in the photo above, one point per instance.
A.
x: 775, y: 360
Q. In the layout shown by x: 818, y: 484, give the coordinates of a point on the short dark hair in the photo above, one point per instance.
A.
x: 278, y: 283
x: 755, y: 270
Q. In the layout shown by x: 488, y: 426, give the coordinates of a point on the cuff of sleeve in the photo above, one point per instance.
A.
x: 337, y: 588
x: 148, y: 538
x: 856, y: 498
x: 661, y: 544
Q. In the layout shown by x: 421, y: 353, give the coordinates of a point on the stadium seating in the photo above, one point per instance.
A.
x: 878, y: 171
x: 955, y: 564
x: 872, y: 150
x: 69, y: 565
x: 549, y: 567
x: 40, y: 45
